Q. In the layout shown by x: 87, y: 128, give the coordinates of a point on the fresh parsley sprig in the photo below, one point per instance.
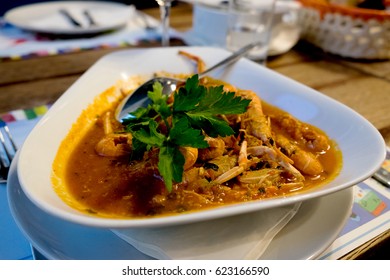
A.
x: 195, y: 112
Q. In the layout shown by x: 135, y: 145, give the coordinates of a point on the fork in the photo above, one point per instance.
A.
x: 91, y: 20
x: 7, y: 151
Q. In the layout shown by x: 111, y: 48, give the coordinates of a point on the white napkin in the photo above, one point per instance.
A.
x: 244, y: 236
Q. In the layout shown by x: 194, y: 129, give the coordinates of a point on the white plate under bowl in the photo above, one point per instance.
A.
x: 311, y: 231
x: 45, y: 17
x: 362, y: 146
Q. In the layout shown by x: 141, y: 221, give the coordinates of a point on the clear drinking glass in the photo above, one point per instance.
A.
x: 165, y: 11
x: 250, y: 21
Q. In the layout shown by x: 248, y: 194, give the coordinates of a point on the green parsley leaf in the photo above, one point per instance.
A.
x: 182, y: 134
x: 170, y: 165
x: 159, y: 101
x: 156, y: 94
x: 189, y: 96
x: 211, y: 125
x: 140, y: 112
x: 194, y: 113
x: 216, y: 102
x: 149, y: 135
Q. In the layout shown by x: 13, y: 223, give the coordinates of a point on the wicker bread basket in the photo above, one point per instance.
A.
x: 346, y: 31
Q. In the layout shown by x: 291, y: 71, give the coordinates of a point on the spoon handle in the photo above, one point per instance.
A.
x: 232, y: 58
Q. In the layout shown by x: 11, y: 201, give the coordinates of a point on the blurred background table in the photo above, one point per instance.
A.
x: 361, y: 85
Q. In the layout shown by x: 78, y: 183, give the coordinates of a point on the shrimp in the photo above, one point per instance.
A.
x: 209, y: 171
x: 190, y: 155
x: 197, y: 59
x: 278, y: 157
x: 216, y: 148
x: 113, y: 144
x: 302, y: 160
x: 300, y: 131
x: 243, y: 163
x: 253, y: 120
x: 217, y: 166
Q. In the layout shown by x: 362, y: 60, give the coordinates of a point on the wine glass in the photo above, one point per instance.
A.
x: 165, y: 10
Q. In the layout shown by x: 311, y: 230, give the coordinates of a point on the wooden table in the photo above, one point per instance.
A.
x: 363, y: 86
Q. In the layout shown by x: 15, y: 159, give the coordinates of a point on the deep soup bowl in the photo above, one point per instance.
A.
x: 362, y: 147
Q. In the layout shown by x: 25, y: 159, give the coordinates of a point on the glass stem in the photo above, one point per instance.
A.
x: 165, y: 9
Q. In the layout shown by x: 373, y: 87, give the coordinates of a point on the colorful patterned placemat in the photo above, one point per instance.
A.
x: 24, y: 114
x: 16, y: 43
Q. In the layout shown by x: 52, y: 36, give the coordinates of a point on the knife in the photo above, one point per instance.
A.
x: 72, y: 20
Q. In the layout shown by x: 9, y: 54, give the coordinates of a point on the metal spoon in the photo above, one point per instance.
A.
x: 139, y: 97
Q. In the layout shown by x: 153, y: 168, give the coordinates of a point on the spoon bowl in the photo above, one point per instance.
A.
x: 139, y: 98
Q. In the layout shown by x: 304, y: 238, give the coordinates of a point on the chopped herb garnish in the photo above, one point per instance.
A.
x: 195, y: 112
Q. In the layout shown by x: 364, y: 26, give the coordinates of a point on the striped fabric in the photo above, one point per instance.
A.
x: 24, y: 114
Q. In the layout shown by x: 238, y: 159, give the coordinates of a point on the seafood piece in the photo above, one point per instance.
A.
x: 300, y: 131
x: 107, y: 125
x: 253, y: 120
x: 217, y: 166
x: 231, y: 143
x: 252, y: 140
x: 216, y: 149
x: 279, y: 157
x: 303, y: 160
x: 269, y: 175
x: 243, y: 163
x: 193, y: 176
x: 190, y: 155
x: 200, y: 63
x: 113, y: 144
